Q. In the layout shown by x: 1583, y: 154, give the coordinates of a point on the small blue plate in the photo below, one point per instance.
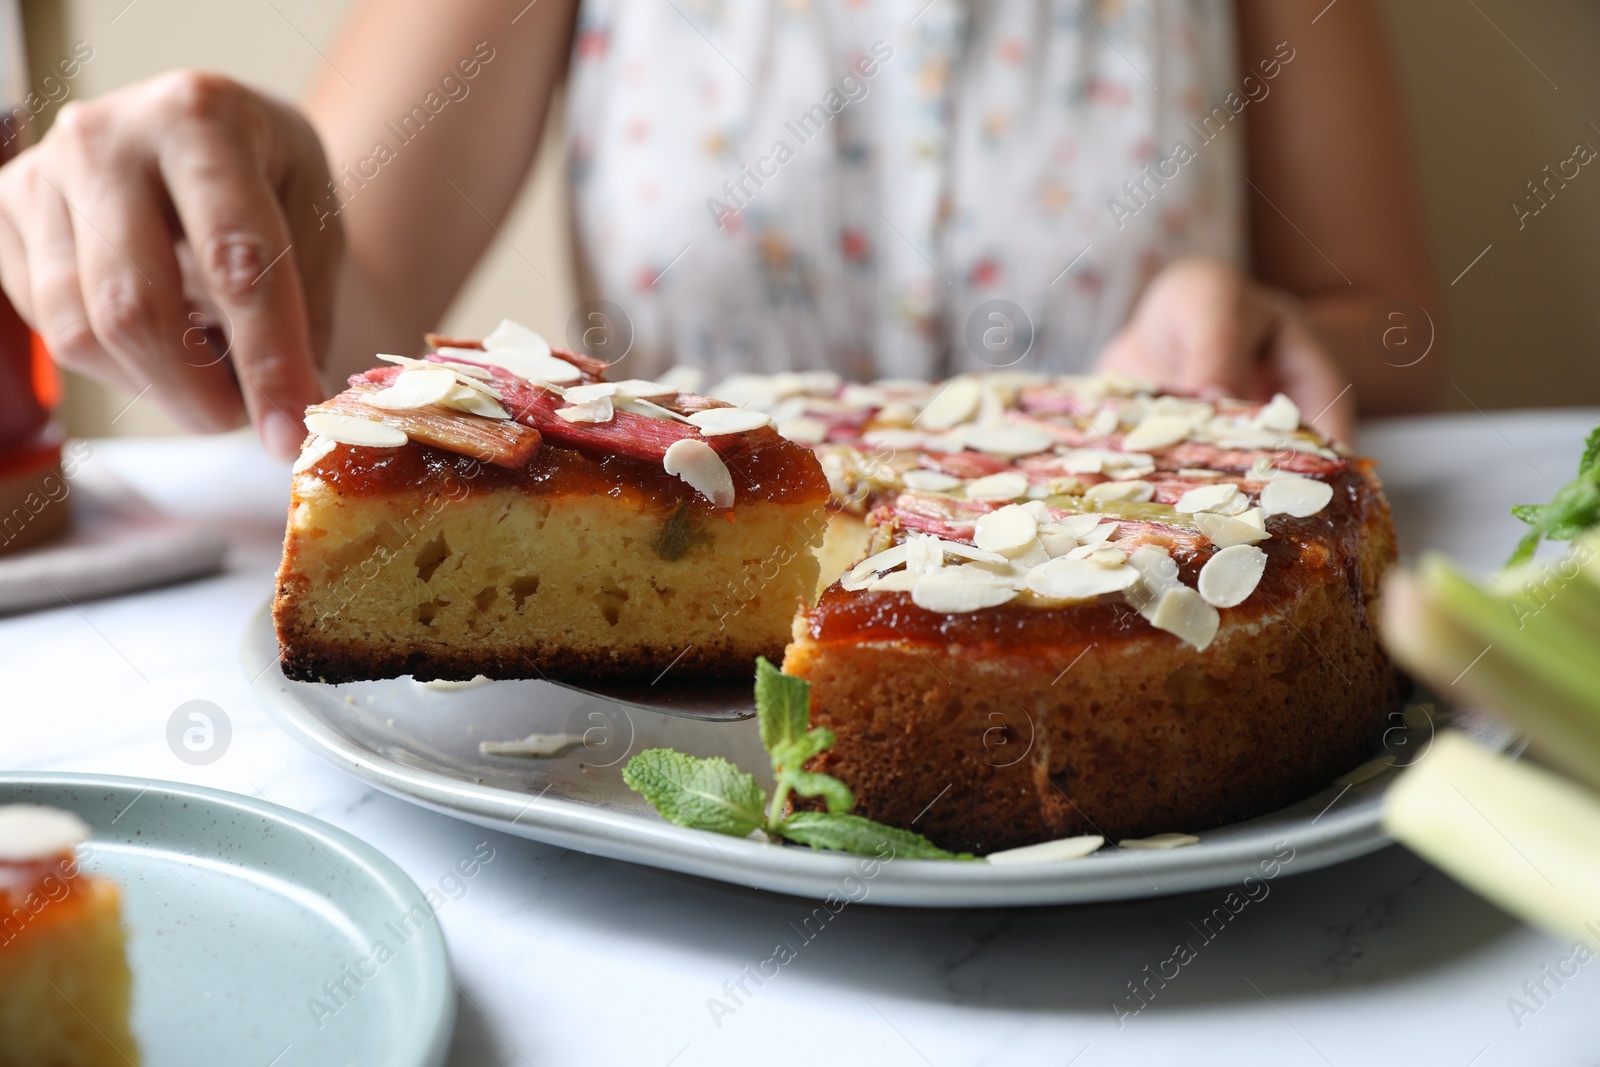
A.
x: 258, y: 935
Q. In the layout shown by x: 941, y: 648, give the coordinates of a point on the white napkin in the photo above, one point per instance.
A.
x: 117, y: 543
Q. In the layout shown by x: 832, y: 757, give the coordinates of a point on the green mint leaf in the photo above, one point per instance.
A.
x: 835, y: 793
x: 1590, y: 464
x: 792, y: 755
x: 852, y: 833
x: 783, y: 705
x: 702, y: 794
x: 1525, y: 548
x: 1528, y: 513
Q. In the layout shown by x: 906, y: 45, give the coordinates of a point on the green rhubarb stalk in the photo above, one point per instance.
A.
x: 1523, y: 837
x: 1469, y: 647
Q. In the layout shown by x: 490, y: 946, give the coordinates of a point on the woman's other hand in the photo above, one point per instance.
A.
x: 187, y: 187
x: 1204, y: 327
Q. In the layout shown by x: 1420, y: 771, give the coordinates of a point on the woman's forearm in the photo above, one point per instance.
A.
x: 430, y: 114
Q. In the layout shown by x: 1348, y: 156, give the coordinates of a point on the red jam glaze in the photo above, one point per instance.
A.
x: 1297, y: 549
x: 765, y: 468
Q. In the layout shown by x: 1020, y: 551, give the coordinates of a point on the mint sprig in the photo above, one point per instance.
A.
x: 1574, y: 508
x: 713, y: 794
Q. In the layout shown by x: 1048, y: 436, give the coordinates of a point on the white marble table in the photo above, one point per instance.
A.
x: 563, y: 958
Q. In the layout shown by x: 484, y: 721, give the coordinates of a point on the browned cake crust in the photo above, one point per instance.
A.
x: 1012, y: 726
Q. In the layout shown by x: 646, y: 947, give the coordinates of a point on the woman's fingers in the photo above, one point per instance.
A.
x: 1298, y: 365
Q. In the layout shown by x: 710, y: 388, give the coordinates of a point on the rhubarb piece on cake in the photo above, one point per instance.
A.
x: 500, y: 508
x: 1089, y: 608
x: 65, y: 986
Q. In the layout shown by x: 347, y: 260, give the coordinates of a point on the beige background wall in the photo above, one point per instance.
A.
x: 1496, y: 89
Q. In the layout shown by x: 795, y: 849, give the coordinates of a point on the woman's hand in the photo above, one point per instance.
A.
x: 1203, y: 327
x: 184, y: 188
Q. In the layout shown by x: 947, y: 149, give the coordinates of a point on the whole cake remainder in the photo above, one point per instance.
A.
x: 65, y: 987
x: 1049, y: 605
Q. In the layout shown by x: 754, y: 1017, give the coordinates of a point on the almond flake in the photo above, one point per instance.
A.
x: 1007, y: 485
x: 640, y: 406
x: 1281, y: 414
x: 460, y: 360
x: 1080, y: 526
x: 1007, y: 442
x: 956, y: 590
x: 583, y: 394
x: 535, y: 745
x: 1291, y: 494
x: 1157, y: 432
x: 1056, y: 541
x: 1139, y: 492
x: 34, y: 832
x: 1229, y: 577
x: 926, y: 481
x: 1008, y: 530
x: 869, y: 568
x: 1078, y: 579
x: 714, y: 422
x: 349, y: 430
x: 1253, y: 517
x: 1105, y: 422
x: 596, y: 410
x: 1106, y: 555
x: 924, y: 553
x: 512, y: 334
x: 1182, y: 613
x: 1207, y: 498
x: 964, y: 551
x: 533, y: 366
x: 698, y: 464
x: 1066, y: 848
x: 681, y: 379
x: 413, y: 389
x: 1161, y: 841
x: 474, y: 401
x: 804, y: 431
x: 956, y: 403
x: 1225, y: 532
x: 313, y: 452
x: 1102, y: 531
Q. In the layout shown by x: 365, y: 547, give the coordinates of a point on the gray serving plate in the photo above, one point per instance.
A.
x: 238, y: 911
x: 421, y: 744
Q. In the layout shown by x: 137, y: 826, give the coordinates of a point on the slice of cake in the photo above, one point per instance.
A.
x: 499, y: 508
x: 1088, y: 608
x: 65, y: 987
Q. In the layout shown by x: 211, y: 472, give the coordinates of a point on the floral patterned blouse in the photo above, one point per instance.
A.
x: 897, y: 188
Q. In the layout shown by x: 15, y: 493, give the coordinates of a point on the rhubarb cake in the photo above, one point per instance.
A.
x: 1085, y: 607
x: 499, y: 508
x: 65, y: 987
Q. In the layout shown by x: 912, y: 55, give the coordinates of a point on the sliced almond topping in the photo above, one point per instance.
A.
x: 34, y: 832
x: 1056, y: 540
x: 1066, y: 848
x: 1008, y: 530
x: 1207, y: 498
x: 682, y: 379
x: 1079, y: 579
x: 534, y: 366
x: 956, y: 548
x: 1007, y: 485
x: 1229, y: 577
x: 640, y: 389
x: 640, y: 406
x: 1182, y: 613
x: 1225, y: 532
x: 597, y: 410
x: 348, y: 430
x: 583, y: 394
x: 956, y: 403
x: 1291, y: 494
x: 313, y: 452
x: 415, y: 388
x: 1159, y: 841
x: 1106, y: 555
x: 512, y: 334
x: 1105, y: 422
x: 474, y: 401
x: 887, y: 560
x: 1083, y: 461
x: 956, y: 590
x: 1253, y: 517
x: 698, y: 464
x: 1080, y: 526
x: 1157, y: 432
x: 924, y: 553
x: 926, y: 481
x: 804, y: 431
x: 454, y: 358
x: 1007, y: 442
x: 713, y: 422
x: 1281, y: 414
x: 1109, y: 492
